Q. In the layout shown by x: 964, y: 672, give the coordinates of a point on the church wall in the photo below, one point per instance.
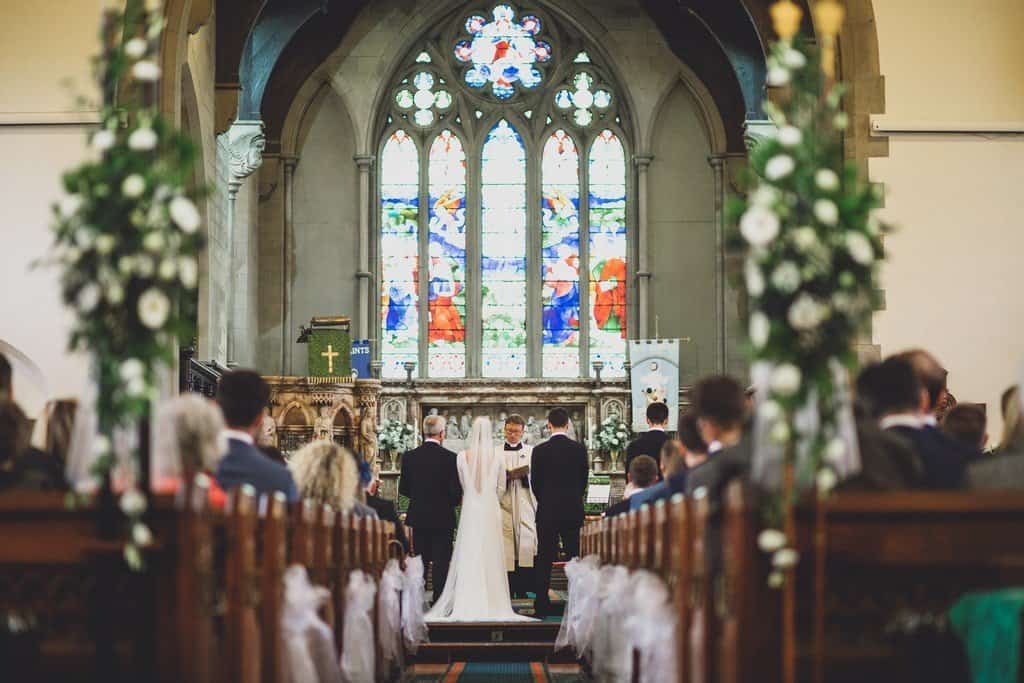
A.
x: 952, y: 284
x: 45, y: 48
x: 682, y: 235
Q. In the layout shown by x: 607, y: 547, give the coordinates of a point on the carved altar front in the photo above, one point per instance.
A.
x: 341, y: 409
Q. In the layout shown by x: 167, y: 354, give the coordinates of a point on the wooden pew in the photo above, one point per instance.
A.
x: 241, y: 629
x: 274, y: 536
x: 322, y: 571
x: 702, y: 630
x: 199, y: 655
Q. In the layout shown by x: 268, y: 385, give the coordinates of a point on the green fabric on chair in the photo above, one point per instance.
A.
x: 989, y: 625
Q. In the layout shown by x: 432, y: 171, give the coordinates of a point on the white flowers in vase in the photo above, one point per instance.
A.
x: 613, y: 435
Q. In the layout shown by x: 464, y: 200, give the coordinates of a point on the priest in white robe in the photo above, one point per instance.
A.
x: 518, y: 509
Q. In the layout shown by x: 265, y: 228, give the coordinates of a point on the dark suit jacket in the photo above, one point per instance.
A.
x: 648, y: 443
x: 663, y: 490
x: 387, y: 512
x: 430, y: 480
x: 1001, y: 471
x: 33, y: 470
x: 945, y: 459
x: 620, y: 508
x: 245, y: 464
x: 720, y: 468
x: 558, y: 473
x: 888, y: 461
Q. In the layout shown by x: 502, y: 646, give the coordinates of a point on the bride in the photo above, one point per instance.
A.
x: 477, y: 585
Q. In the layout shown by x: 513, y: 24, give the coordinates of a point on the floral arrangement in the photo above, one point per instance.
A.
x: 127, y: 238
x: 612, y: 435
x: 814, y: 247
x: 395, y: 436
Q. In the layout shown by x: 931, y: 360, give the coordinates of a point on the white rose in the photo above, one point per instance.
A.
x: 760, y: 329
x: 789, y: 136
x: 827, y: 180
x: 136, y: 48
x: 103, y: 140
x: 860, y: 248
x: 771, y: 540
x: 805, y: 313
x: 770, y: 411
x: 125, y: 265
x: 142, y: 139
x: 776, y: 580
x: 794, y: 59
x: 88, y: 298
x: 100, y: 445
x: 778, y: 76
x: 764, y: 195
x: 168, y: 269
x: 785, y: 379
x: 874, y: 225
x: 115, y: 293
x: 133, y: 186
x: 146, y: 71
x: 72, y: 255
x: 778, y: 167
x: 136, y: 387
x: 840, y: 121
x: 786, y: 277
x: 184, y: 214
x: 105, y: 244
x: 804, y: 238
x: 84, y: 237
x: 755, y: 280
x: 154, y: 307
x: 131, y: 369
x: 133, y: 503
x: 141, y: 535
x: 835, y: 451
x: 826, y: 480
x: 154, y: 241
x: 188, y: 272
x: 70, y: 205
x: 779, y: 433
x: 826, y: 211
x: 759, y: 226
x: 785, y: 558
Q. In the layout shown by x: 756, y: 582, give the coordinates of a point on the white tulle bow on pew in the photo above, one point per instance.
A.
x: 357, y: 655
x: 389, y: 625
x: 578, y: 620
x: 650, y: 627
x: 608, y: 652
x: 310, y: 655
x: 414, y: 624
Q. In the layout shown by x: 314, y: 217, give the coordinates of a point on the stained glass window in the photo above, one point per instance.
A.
x: 446, y: 291
x: 502, y: 52
x: 560, y: 257
x: 399, y: 243
x: 503, y: 252
x: 607, y: 206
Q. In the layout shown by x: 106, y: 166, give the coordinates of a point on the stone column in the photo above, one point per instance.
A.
x: 245, y: 143
x: 287, y: 230
x: 718, y: 164
x: 365, y: 164
x: 643, y: 274
x: 367, y: 393
x: 756, y: 130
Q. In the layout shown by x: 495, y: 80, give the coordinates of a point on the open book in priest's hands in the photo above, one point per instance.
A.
x: 517, y: 473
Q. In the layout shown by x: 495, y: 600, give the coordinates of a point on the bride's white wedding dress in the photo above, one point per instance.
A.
x: 477, y: 585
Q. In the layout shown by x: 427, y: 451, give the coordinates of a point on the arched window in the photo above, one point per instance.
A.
x: 504, y: 216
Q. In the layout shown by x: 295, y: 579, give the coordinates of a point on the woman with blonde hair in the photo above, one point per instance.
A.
x: 327, y: 473
x: 1012, y: 440
x: 189, y: 440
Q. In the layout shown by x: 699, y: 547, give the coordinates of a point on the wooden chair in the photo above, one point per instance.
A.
x: 241, y: 588
x: 274, y: 533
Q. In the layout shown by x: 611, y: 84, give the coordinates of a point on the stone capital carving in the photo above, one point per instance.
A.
x: 642, y: 161
x: 245, y: 143
x: 364, y: 161
x: 754, y: 131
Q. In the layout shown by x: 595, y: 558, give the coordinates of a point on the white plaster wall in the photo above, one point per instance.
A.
x: 952, y: 283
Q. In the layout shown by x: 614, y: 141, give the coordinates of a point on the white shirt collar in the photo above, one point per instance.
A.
x: 655, y: 429
x: 238, y: 435
x: 901, y: 420
x: 929, y: 420
x: 554, y: 434
x: 429, y: 440
x: 714, y: 446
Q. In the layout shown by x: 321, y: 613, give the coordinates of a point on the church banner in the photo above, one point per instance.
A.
x: 330, y: 353
x: 361, y: 359
x: 654, y: 378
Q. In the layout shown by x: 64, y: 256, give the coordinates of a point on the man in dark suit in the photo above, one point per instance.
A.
x: 650, y: 442
x: 720, y: 407
x: 678, y: 457
x: 903, y: 403
x: 241, y: 395
x: 430, y: 480
x: 559, y: 474
x: 385, y: 509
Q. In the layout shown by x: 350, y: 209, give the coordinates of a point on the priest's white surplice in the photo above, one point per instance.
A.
x: 519, y: 514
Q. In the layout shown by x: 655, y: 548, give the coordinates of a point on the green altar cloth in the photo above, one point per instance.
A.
x: 988, y: 623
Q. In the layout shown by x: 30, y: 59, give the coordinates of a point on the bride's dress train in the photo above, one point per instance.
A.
x: 477, y: 585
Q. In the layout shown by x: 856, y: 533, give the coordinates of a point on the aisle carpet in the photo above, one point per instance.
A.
x: 498, y: 672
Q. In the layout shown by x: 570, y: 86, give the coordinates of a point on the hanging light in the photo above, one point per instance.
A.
x: 828, y: 17
x: 786, y: 16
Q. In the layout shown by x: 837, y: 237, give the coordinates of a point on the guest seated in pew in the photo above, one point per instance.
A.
x: 1003, y: 470
x: 643, y: 473
x: 966, y: 424
x: 52, y: 432
x: 242, y: 394
x: 1012, y: 438
x: 903, y: 404
x: 385, y: 508
x: 650, y: 442
x: 888, y: 461
x: 720, y: 406
x: 670, y: 462
x: 21, y: 466
x: 327, y: 473
x: 678, y: 457
x: 190, y: 439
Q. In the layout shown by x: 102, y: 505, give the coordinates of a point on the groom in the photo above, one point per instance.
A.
x: 430, y: 480
x: 559, y: 473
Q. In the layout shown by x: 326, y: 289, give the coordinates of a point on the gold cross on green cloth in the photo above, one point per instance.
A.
x: 330, y: 355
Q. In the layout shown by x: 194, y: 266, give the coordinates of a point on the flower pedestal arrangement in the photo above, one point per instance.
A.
x: 394, y: 437
x: 612, y: 437
x: 127, y: 239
